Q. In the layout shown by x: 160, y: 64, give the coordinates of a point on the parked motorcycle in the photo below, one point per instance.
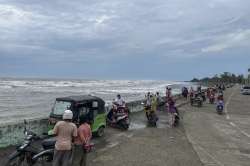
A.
x: 196, y: 100
x: 220, y: 107
x: 119, y: 118
x: 28, y: 154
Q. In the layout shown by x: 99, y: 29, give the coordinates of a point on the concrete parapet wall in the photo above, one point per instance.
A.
x: 12, y: 133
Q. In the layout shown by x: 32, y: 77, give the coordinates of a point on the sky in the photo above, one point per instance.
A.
x: 124, y: 39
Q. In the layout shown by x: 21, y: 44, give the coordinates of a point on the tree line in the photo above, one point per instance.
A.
x: 225, y: 77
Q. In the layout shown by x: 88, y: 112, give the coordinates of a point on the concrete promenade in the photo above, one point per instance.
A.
x: 203, y: 138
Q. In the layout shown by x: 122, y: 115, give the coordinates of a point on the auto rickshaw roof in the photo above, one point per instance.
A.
x: 81, y: 98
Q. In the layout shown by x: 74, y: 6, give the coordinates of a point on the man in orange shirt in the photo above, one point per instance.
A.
x: 65, y: 131
x: 81, y: 142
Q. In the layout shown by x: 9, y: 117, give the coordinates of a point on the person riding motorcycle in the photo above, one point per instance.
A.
x: 220, y: 102
x: 118, y: 105
x: 211, y: 96
x: 220, y: 97
x: 119, y: 101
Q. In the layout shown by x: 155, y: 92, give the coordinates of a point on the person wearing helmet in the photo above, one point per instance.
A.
x: 220, y: 96
x: 65, y: 132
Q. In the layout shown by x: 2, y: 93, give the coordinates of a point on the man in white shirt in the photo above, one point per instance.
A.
x: 119, y: 101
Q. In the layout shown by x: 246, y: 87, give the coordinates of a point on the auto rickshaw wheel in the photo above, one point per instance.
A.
x: 100, y: 132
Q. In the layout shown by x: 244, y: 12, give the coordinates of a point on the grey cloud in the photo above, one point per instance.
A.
x: 93, y: 28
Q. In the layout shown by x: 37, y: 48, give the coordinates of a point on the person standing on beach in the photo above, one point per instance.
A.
x: 168, y: 95
x: 148, y: 104
x: 185, y: 92
x: 154, y: 103
x: 159, y: 101
x: 65, y: 132
x: 191, y: 92
x: 81, y: 142
x: 172, y: 110
x: 168, y: 92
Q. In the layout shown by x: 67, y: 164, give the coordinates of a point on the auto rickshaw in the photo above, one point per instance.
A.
x: 89, y: 106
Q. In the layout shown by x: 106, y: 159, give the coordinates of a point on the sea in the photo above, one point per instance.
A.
x: 22, y: 98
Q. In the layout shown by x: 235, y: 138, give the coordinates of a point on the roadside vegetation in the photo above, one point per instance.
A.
x: 225, y: 77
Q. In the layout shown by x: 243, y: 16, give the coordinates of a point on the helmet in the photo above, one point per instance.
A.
x: 67, y: 115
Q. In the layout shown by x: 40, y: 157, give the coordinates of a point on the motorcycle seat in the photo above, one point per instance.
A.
x: 49, y: 143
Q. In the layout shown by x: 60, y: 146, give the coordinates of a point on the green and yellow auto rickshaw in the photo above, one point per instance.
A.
x: 89, y: 106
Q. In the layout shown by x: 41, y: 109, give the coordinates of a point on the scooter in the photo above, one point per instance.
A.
x: 26, y: 153
x: 119, y: 118
x: 220, y: 107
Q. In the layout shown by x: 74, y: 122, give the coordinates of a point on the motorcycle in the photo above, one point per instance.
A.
x: 196, y: 100
x: 220, y: 107
x: 118, y: 117
x: 28, y: 154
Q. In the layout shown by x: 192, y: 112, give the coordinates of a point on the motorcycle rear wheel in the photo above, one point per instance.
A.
x: 124, y: 125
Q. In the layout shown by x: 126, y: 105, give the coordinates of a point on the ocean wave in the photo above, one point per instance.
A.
x: 31, y: 97
x: 79, y: 84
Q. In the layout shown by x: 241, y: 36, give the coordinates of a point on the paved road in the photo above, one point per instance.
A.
x: 221, y: 140
x: 148, y: 147
x: 203, y: 138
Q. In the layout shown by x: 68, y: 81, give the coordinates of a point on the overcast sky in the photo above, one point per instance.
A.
x: 124, y: 39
